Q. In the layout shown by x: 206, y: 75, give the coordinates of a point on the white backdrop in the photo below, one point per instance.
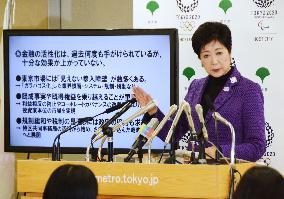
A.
x: 257, y: 40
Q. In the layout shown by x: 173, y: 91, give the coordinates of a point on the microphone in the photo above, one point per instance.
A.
x: 108, y: 110
x: 201, y: 155
x: 141, y: 111
x: 172, y: 110
x: 84, y: 119
x: 119, y: 105
x: 187, y: 111
x: 217, y: 116
x: 145, y: 132
x: 173, y: 126
x: 199, y: 111
x: 126, y: 106
x: 99, y: 134
x: 210, y: 104
x: 192, y: 136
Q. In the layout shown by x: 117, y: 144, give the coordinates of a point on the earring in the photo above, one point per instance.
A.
x: 233, y: 62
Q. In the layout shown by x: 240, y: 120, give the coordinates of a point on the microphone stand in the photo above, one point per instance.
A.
x: 108, y: 131
x: 211, y: 107
x: 217, y: 153
x: 217, y: 116
x: 193, y: 140
x: 172, y: 151
x: 149, y: 153
x: 172, y: 158
x: 139, y: 151
x: 201, y: 141
x: 233, y: 160
x: 201, y: 156
x: 56, y: 146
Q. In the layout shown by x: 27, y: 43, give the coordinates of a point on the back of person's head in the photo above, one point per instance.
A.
x: 71, y: 182
x: 260, y: 182
x: 211, y: 31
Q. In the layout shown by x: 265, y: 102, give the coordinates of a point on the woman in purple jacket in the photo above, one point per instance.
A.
x: 236, y: 98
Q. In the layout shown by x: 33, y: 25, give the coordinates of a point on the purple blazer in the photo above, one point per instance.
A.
x: 241, y: 103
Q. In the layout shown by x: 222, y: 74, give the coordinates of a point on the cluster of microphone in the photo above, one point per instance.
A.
x: 148, y: 132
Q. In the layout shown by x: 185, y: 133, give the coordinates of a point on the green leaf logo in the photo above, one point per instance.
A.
x: 225, y: 5
x: 188, y: 72
x: 262, y: 73
x: 152, y: 6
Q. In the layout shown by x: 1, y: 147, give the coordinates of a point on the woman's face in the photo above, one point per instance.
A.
x: 215, y: 58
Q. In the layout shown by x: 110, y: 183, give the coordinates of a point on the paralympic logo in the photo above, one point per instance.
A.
x: 187, y: 7
x: 263, y: 3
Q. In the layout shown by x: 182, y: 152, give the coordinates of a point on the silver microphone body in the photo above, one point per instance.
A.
x: 141, y: 111
x: 187, y: 110
x: 172, y: 110
x: 217, y: 116
x: 175, y: 121
x: 199, y: 111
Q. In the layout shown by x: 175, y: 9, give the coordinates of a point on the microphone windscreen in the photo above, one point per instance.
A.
x: 199, y: 110
x: 120, y: 105
x: 133, y: 100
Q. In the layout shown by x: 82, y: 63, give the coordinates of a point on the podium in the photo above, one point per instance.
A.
x: 134, y: 180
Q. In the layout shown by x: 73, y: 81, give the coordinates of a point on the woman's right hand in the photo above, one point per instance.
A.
x: 143, y: 98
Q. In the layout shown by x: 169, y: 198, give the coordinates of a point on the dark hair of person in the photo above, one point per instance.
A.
x: 260, y: 182
x: 211, y: 31
x: 71, y: 182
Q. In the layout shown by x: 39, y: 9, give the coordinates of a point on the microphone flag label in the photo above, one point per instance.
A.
x: 145, y: 130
